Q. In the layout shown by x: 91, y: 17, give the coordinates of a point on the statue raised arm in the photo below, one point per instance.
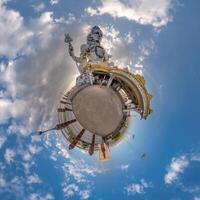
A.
x: 68, y: 40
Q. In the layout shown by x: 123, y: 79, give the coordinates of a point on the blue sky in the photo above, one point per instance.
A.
x: 159, y: 39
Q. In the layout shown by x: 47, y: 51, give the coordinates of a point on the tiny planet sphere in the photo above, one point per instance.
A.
x: 95, y: 113
x: 99, y: 109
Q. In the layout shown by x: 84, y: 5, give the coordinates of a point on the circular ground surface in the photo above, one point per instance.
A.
x: 98, y: 109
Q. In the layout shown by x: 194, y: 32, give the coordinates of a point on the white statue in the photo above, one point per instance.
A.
x: 91, y: 52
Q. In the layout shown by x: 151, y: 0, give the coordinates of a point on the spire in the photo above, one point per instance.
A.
x: 75, y: 141
x: 41, y: 132
x: 91, y: 149
x: 58, y: 126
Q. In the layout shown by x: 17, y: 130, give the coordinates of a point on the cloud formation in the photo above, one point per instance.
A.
x: 138, y: 188
x: 124, y: 167
x: 177, y: 170
x: 140, y: 11
x: 176, y: 167
x: 14, y: 35
x: 9, y: 155
x: 2, y: 140
x: 34, y: 178
x: 39, y: 74
x: 52, y: 2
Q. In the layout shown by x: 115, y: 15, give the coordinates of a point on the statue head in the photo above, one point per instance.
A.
x: 95, y: 35
x: 97, y: 31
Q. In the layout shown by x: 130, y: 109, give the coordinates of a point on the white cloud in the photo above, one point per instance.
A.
x: 54, y: 2
x: 2, y: 181
x: 45, y: 57
x: 33, y: 179
x: 138, y: 188
x: 140, y: 11
x: 145, y: 50
x: 195, y: 157
x: 2, y: 140
x: 84, y: 194
x: 63, y: 151
x: 27, y: 166
x: 13, y: 35
x: 11, y: 109
x: 91, y: 11
x: 176, y: 171
x: 21, y: 186
x: 129, y: 37
x: 70, y: 190
x: 36, y: 196
x: 19, y: 129
x: 34, y: 149
x: 39, y: 7
x: 176, y: 167
x: 124, y: 167
x: 26, y: 156
x: 15, y: 180
x: 195, y: 189
x: 35, y: 91
x: 69, y: 20
x: 116, y: 46
x: 9, y: 155
x: 79, y: 170
x: 49, y: 196
x: 53, y: 156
